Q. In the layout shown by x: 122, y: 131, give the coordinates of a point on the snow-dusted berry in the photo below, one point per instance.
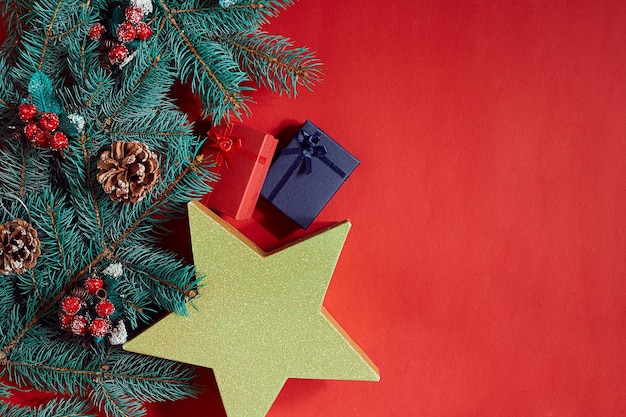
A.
x: 96, y: 31
x: 133, y: 14
x: 33, y: 132
x: 49, y: 121
x: 126, y: 32
x: 99, y: 327
x: 70, y: 305
x: 105, y: 308
x: 58, y: 141
x: 118, y: 54
x: 143, y: 31
x: 78, y: 326
x: 93, y: 284
x: 65, y: 320
x: 43, y: 141
x: 26, y: 111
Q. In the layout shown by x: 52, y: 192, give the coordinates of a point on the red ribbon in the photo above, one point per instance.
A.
x: 227, y: 146
x: 224, y: 144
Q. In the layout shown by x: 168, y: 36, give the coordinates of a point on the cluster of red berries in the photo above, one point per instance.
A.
x: 87, y: 310
x: 41, y: 128
x: 129, y: 30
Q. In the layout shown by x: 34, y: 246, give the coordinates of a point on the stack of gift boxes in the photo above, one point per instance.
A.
x: 300, y: 182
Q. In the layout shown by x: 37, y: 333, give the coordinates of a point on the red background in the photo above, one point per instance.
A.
x: 485, y: 270
x: 485, y: 273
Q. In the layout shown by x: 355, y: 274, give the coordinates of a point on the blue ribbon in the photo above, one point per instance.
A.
x: 309, y: 149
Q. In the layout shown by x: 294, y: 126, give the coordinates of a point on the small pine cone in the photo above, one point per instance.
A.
x: 19, y: 246
x: 17, y: 135
x: 128, y: 171
x: 103, y: 53
x: 81, y: 293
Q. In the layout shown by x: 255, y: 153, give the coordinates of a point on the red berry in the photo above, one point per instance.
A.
x: 26, y: 111
x: 78, y: 326
x: 143, y: 31
x: 96, y: 31
x: 33, y: 132
x: 99, y: 327
x: 65, y: 320
x: 133, y: 14
x: 126, y: 32
x: 43, y: 141
x: 118, y: 54
x: 105, y: 308
x: 49, y: 121
x: 58, y: 141
x: 93, y: 284
x: 70, y: 304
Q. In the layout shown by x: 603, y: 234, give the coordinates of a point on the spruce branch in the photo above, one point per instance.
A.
x: 158, y: 274
x: 82, y: 230
x: 113, y: 402
x: 7, y: 92
x: 5, y: 390
x: 31, y: 168
x: 148, y: 379
x: 86, y: 176
x: 56, y: 407
x: 11, y: 12
x: 35, y: 286
x: 48, y: 34
x: 157, y: 203
x: 8, y: 297
x: 46, y: 24
x: 241, y: 17
x: 50, y: 365
x: 213, y: 75
x: 147, y: 77
x: 272, y: 60
x: 70, y: 368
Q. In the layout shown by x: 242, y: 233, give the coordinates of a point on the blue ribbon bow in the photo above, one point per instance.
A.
x: 309, y: 149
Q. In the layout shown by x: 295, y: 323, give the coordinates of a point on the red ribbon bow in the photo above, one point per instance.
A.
x: 224, y: 144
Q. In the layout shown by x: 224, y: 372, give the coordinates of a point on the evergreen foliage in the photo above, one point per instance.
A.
x: 49, y: 60
x: 62, y: 407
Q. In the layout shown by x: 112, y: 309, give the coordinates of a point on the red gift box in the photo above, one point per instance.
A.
x: 243, y: 156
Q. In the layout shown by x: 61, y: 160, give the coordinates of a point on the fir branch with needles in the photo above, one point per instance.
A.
x: 50, y: 61
x: 56, y: 407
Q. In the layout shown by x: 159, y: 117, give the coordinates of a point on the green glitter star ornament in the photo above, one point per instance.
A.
x: 259, y: 319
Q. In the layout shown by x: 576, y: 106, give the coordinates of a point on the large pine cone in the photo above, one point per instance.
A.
x: 128, y: 171
x: 19, y: 246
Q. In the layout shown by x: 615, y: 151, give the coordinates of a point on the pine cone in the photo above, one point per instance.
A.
x: 103, y: 54
x: 19, y: 246
x: 82, y: 294
x: 128, y: 171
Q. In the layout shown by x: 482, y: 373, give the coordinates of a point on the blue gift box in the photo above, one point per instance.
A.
x: 306, y: 174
